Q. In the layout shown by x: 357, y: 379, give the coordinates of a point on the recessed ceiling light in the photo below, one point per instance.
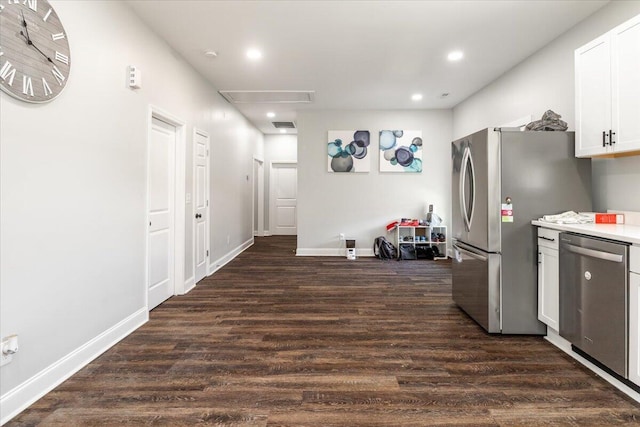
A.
x: 283, y: 131
x: 254, y: 54
x: 211, y: 53
x: 456, y: 55
x: 271, y: 114
x: 416, y: 97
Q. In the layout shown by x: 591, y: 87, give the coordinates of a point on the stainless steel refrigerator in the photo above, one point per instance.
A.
x: 502, y: 179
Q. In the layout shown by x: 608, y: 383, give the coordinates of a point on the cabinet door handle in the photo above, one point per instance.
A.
x: 547, y: 238
x: 611, y: 135
x: 604, y: 136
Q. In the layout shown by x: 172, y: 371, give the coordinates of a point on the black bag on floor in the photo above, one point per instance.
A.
x: 424, y: 252
x: 407, y: 252
x: 384, y: 249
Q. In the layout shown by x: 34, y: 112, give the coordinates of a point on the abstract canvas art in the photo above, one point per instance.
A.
x: 401, y: 151
x: 348, y: 151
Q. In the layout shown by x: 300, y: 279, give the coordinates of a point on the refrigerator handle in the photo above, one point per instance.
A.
x: 472, y: 254
x: 467, y: 163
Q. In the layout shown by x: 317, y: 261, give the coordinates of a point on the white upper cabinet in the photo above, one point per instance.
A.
x: 608, y: 93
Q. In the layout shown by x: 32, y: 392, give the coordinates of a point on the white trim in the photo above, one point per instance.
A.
x: 20, y: 397
x: 341, y: 252
x: 207, y: 241
x: 224, y: 260
x: 189, y: 284
x: 258, y: 183
x: 267, y: 233
x: 554, y: 338
x: 179, y: 199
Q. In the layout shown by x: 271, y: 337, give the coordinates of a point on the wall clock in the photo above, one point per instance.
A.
x: 35, y: 59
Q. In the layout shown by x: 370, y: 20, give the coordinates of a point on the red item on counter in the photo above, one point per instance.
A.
x: 609, y: 218
x: 605, y: 218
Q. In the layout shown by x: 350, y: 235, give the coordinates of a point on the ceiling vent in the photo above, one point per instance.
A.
x: 268, y: 96
x: 284, y: 125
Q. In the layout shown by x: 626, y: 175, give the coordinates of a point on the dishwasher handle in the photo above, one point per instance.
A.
x: 607, y: 256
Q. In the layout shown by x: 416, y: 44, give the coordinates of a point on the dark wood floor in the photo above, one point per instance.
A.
x: 278, y: 340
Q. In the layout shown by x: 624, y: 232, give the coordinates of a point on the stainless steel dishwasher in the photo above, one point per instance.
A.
x: 594, y: 298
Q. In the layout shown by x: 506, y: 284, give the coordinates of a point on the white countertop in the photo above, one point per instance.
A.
x: 623, y: 233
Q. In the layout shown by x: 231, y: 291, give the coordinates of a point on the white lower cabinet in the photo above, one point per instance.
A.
x: 634, y: 315
x: 548, y: 277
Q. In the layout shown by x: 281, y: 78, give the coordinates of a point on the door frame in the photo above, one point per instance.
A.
x: 272, y: 202
x: 258, y: 186
x: 179, y: 198
x: 207, y: 238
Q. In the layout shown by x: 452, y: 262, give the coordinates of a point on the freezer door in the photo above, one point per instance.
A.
x: 475, y: 187
x: 476, y: 285
x: 540, y: 175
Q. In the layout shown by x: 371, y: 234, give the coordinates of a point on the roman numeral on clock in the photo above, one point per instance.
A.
x: 58, y: 75
x: 57, y: 36
x: 33, y: 4
x: 62, y: 58
x: 8, y: 72
x: 46, y: 88
x: 27, y: 86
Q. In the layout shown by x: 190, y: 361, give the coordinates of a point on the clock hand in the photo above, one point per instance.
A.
x: 24, y: 24
x: 30, y: 43
x: 28, y: 39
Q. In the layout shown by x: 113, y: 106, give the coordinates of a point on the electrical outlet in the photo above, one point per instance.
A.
x: 5, y: 358
x: 341, y: 236
x: 8, y: 348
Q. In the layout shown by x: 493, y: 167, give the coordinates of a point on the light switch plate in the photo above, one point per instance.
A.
x: 5, y: 358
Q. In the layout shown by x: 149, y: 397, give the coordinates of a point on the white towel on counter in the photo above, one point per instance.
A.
x: 569, y: 217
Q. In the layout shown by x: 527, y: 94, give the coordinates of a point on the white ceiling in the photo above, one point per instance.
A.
x: 358, y: 54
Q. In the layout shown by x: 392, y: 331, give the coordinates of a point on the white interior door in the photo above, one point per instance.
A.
x: 201, y: 204
x: 258, y: 197
x: 161, y: 197
x: 284, y: 195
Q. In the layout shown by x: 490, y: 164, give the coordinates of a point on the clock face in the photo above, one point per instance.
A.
x: 34, y: 51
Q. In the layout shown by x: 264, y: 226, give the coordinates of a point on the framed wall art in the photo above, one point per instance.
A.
x: 401, y: 151
x: 348, y: 151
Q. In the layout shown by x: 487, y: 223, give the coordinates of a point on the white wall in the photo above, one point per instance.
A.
x: 73, y: 193
x: 546, y: 81
x: 361, y: 204
x: 277, y: 148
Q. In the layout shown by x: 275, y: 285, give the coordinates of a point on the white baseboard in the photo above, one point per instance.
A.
x: 267, y: 233
x: 189, y: 284
x: 341, y: 252
x: 222, y: 261
x: 19, y: 398
x: 554, y: 338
